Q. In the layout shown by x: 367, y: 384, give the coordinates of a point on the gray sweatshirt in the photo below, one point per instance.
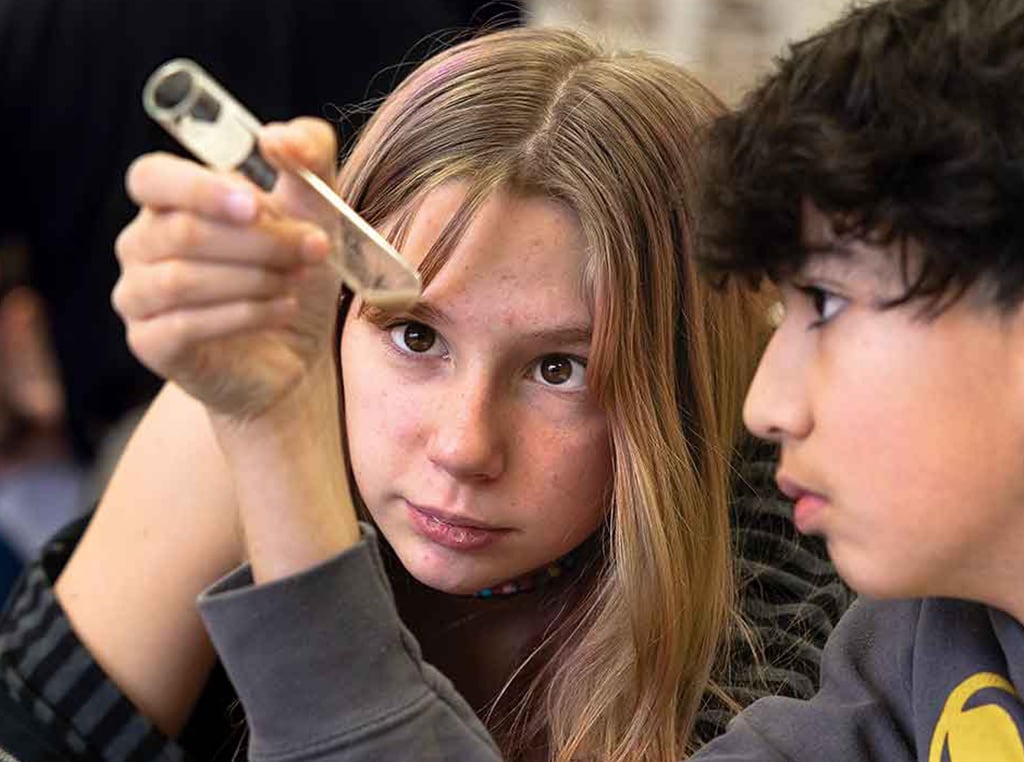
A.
x: 326, y: 671
x: 790, y: 597
x: 934, y: 680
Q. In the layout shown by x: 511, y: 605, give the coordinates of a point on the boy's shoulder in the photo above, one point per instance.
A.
x: 968, y: 673
x: 904, y: 681
x: 932, y: 641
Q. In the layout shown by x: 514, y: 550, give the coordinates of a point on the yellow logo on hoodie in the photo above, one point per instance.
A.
x: 985, y: 733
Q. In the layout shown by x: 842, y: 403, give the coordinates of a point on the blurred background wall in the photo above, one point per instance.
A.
x: 727, y: 42
x: 71, y: 74
x: 70, y: 122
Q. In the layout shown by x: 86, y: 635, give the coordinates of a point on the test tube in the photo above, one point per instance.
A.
x: 219, y: 131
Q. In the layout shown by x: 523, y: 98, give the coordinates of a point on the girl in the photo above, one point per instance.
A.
x: 543, y: 443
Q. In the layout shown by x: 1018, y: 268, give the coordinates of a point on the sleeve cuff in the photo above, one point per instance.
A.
x: 318, y: 656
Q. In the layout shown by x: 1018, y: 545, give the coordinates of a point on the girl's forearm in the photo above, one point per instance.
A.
x: 289, y: 472
x: 165, y: 528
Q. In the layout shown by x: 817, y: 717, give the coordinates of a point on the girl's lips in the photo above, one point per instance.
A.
x: 444, y: 532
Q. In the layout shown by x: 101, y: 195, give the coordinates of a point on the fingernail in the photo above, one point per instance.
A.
x: 241, y: 205
x: 315, y: 247
x: 273, y: 132
x: 272, y: 129
x: 287, y: 305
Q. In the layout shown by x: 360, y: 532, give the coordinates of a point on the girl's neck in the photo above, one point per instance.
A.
x: 480, y: 642
x: 477, y: 643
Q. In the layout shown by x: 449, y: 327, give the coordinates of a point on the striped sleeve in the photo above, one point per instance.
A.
x: 790, y: 598
x: 50, y: 673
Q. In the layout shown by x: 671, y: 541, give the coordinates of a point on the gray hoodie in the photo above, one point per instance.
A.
x: 326, y: 671
x: 934, y: 680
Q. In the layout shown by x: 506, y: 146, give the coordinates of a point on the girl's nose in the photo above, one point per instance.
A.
x: 468, y: 439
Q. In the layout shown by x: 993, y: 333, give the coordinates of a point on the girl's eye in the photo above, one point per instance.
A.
x: 826, y: 304
x: 416, y: 338
x: 560, y: 371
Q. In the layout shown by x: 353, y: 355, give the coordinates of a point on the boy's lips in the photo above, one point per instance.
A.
x: 807, y: 505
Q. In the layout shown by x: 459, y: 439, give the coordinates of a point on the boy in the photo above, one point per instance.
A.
x: 877, y: 178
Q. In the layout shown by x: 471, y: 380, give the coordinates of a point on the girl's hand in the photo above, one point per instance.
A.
x: 224, y: 289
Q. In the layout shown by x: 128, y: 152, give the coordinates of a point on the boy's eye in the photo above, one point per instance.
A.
x: 561, y: 371
x: 416, y: 338
x: 826, y: 303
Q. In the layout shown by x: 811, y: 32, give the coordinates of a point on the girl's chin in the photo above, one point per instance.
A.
x: 444, y: 569
x: 442, y: 574
x: 444, y: 582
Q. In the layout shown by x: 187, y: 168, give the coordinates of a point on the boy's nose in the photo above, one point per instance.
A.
x: 776, y: 407
x: 467, y: 440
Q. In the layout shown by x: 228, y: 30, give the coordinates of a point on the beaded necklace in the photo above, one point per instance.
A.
x: 533, y: 580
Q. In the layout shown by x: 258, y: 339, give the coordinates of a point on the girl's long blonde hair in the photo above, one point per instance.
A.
x: 613, y: 136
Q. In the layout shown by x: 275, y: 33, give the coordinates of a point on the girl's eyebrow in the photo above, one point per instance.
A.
x: 570, y: 334
x: 419, y: 312
x: 434, y: 316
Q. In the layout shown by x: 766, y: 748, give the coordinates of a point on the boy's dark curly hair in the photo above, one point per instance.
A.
x: 904, y: 120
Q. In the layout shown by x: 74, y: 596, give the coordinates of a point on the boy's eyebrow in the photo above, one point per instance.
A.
x: 849, y: 259
x: 837, y: 260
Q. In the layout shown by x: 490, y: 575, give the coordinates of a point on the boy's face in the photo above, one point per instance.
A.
x: 902, y: 439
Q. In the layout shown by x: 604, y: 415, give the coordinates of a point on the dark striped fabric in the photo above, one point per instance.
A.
x: 790, y: 599
x: 47, y: 670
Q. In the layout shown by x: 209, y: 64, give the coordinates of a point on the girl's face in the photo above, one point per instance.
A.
x: 475, y: 443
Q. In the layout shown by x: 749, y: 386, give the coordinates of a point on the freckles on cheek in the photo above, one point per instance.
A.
x: 579, y: 466
x: 378, y: 437
x: 396, y: 413
x: 581, y: 484
x: 379, y: 413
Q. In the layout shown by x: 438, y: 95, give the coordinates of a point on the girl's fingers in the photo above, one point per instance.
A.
x: 276, y: 243
x: 303, y: 142
x: 175, y: 284
x: 163, y: 181
x: 161, y: 342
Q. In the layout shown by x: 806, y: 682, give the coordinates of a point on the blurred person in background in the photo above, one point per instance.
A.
x: 71, y: 120
x: 41, y: 487
x: 71, y: 77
